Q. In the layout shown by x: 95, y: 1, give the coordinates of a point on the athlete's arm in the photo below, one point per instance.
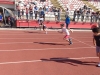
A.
x: 70, y: 30
x: 94, y: 42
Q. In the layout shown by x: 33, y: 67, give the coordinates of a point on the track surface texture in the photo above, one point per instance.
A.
x: 29, y: 52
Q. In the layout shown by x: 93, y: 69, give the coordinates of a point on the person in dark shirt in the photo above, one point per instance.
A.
x: 1, y: 19
x: 96, y: 41
x: 98, y: 23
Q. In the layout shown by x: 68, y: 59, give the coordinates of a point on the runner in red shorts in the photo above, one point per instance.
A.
x: 67, y: 34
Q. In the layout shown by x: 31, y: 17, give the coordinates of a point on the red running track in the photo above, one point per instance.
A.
x: 30, y: 52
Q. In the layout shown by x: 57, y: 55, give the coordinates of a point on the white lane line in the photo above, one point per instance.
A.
x: 83, y: 37
x: 82, y: 42
x: 32, y: 34
x: 34, y: 61
x: 28, y: 38
x: 33, y: 29
x: 39, y: 33
x: 46, y: 49
x: 19, y: 62
x: 16, y: 42
x: 34, y: 38
x: 38, y: 42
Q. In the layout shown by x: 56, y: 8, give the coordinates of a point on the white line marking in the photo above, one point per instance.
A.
x: 32, y: 29
x: 83, y: 37
x: 16, y: 42
x: 40, y: 33
x: 31, y: 34
x: 46, y: 49
x: 19, y: 62
x: 28, y: 38
x: 32, y: 38
x: 82, y: 42
x: 33, y: 61
x: 33, y: 42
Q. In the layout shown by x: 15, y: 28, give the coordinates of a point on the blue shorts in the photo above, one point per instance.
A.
x: 97, y: 49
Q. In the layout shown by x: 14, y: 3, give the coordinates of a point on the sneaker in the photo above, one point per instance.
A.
x: 99, y: 65
x: 70, y: 43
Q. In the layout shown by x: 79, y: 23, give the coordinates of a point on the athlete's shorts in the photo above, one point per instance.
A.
x: 0, y: 20
x: 66, y: 36
x: 97, y: 49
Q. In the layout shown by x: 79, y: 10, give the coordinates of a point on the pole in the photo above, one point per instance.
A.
x: 15, y: 7
x: 15, y: 14
x: 4, y: 15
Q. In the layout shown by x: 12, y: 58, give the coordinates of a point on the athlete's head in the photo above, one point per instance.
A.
x: 96, y: 30
x: 61, y: 25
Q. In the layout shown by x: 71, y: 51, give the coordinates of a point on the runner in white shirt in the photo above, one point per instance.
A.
x: 40, y: 21
x: 67, y: 34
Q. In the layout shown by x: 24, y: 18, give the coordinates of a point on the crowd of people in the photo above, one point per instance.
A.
x: 33, y: 11
x: 86, y: 14
x: 7, y: 20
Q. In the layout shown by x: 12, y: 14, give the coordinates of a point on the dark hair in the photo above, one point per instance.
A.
x: 99, y: 19
x: 96, y: 30
x: 62, y: 25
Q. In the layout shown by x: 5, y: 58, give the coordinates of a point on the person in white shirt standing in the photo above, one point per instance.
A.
x: 67, y: 33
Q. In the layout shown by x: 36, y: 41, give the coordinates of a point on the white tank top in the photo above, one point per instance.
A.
x: 66, y: 31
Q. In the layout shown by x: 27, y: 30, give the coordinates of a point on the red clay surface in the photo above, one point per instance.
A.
x: 37, y: 53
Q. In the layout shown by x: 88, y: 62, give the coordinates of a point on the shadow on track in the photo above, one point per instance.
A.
x: 73, y: 62
x: 49, y: 43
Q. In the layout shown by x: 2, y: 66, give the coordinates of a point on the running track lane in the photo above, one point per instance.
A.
x: 28, y: 53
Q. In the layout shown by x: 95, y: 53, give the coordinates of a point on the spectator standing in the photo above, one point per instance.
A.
x: 1, y: 19
x: 27, y: 11
x: 82, y: 15
x: 12, y: 20
x: 85, y: 6
x: 92, y: 14
x: 75, y: 14
x: 78, y: 15
x: 44, y: 10
x: 87, y: 15
x: 97, y: 16
x: 39, y: 12
x: 59, y: 14
x: 22, y: 14
x: 31, y: 12
x: 19, y: 14
x: 56, y: 14
x: 94, y: 17
x: 67, y: 21
x: 35, y: 11
x: 98, y: 25
x: 67, y: 12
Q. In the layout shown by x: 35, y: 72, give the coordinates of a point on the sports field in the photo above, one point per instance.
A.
x: 29, y: 52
